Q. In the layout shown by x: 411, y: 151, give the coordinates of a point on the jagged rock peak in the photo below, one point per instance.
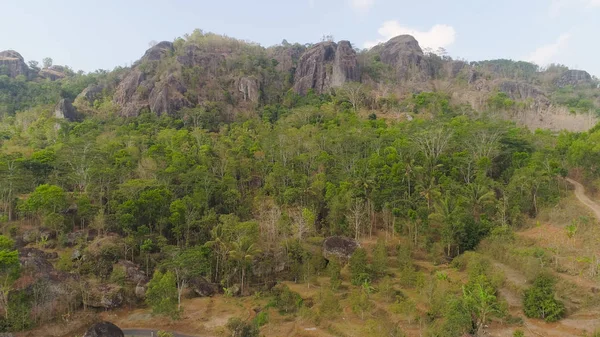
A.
x: 326, y: 65
x: 404, y: 54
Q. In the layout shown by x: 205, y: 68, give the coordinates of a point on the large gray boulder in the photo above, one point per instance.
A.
x: 65, y: 110
x: 12, y: 64
x: 91, y: 93
x: 167, y: 96
x: 339, y: 247
x: 406, y: 57
x: 104, y: 329
x: 326, y: 65
x: 132, y: 93
x: 573, y: 77
x: 249, y: 87
x: 521, y: 91
x: 158, y: 51
x: 203, y: 288
x: 53, y: 73
x: 133, y: 273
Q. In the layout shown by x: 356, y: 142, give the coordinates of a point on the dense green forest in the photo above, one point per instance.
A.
x: 245, y: 202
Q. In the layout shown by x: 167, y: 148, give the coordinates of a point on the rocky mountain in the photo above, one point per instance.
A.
x: 207, y: 70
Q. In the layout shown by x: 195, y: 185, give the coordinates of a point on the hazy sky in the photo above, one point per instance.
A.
x: 92, y: 34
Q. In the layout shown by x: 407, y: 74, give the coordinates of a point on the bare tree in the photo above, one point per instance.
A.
x: 354, y: 92
x: 357, y: 216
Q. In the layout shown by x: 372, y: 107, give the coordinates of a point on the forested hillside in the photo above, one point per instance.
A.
x: 216, y: 166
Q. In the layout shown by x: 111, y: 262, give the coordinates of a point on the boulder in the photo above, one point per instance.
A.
x: 65, y: 110
x: 12, y: 64
x: 203, y: 288
x: 104, y: 329
x: 106, y: 296
x: 340, y: 247
x: 131, y: 94
x: 140, y: 291
x: 133, y: 273
x: 573, y: 77
x: 91, y: 93
x: 249, y: 87
x: 76, y: 255
x: 406, y: 57
x: 326, y: 65
x: 35, y: 262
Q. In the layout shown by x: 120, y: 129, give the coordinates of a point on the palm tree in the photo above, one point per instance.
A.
x: 478, y: 196
x: 243, y: 251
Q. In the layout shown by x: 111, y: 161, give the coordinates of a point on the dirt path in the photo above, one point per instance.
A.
x: 584, y: 199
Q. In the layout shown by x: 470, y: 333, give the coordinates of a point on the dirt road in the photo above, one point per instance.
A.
x: 584, y: 199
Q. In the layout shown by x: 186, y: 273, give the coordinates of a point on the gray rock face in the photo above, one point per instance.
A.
x: 249, y: 87
x: 12, y: 64
x: 104, y: 329
x: 286, y: 56
x: 521, y: 91
x: 130, y: 94
x: 65, y: 110
x: 167, y: 96
x: 106, y: 296
x: 326, y: 65
x: 339, y: 246
x: 404, y: 54
x: 574, y: 78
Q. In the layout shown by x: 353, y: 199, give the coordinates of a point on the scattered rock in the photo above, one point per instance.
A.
x: 104, y: 329
x: 140, y: 291
x: 340, y: 247
x: 107, y: 296
x: 326, y: 65
x: 573, y: 77
x: 65, y: 110
x: 76, y: 255
x: 12, y: 64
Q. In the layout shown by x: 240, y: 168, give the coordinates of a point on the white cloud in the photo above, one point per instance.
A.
x: 361, y: 6
x: 436, y: 37
x: 545, y: 54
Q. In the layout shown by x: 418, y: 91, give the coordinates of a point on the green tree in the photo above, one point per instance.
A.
x: 539, y: 300
x: 46, y: 200
x: 162, y: 294
x: 359, y: 266
x: 380, y: 259
x: 47, y: 62
x: 9, y: 271
x: 335, y: 277
x: 240, y: 328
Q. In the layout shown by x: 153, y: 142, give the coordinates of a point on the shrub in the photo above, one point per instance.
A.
x: 240, y: 328
x: 287, y: 301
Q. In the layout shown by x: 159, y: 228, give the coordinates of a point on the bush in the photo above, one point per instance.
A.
x: 287, y: 301
x: 539, y: 301
x: 240, y: 328
x: 358, y: 266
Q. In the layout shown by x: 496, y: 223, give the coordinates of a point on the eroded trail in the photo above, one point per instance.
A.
x: 584, y: 199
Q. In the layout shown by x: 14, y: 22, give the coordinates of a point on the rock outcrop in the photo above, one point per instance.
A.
x: 167, y: 96
x: 53, y: 73
x: 133, y: 273
x: 522, y: 91
x: 12, y: 64
x: 249, y: 87
x: 91, y: 93
x: 104, y: 329
x: 326, y: 65
x: 105, y: 296
x: 573, y: 77
x: 158, y: 51
x: 65, y: 110
x: 286, y: 56
x: 406, y: 57
x: 340, y: 247
x: 203, y: 288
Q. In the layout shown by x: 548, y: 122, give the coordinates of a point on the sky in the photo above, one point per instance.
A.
x: 92, y: 34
